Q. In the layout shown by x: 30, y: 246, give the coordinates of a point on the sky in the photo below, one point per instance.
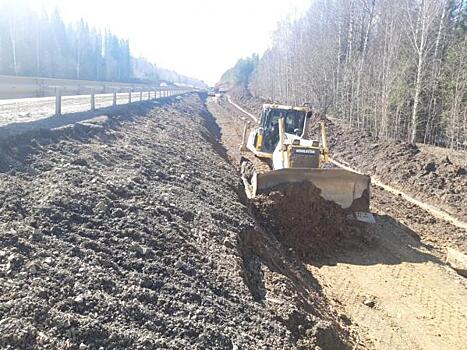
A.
x: 198, y: 38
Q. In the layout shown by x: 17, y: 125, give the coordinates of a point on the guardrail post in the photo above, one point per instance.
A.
x: 149, y: 95
x: 58, y: 102
x: 129, y: 97
x: 114, y: 99
x: 140, y: 94
x: 93, y: 101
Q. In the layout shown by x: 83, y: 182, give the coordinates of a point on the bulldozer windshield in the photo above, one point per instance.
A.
x: 294, y: 120
x: 294, y: 123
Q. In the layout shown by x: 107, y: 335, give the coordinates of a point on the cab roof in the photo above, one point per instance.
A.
x: 284, y: 107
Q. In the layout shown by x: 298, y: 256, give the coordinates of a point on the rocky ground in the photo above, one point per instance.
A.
x: 129, y: 231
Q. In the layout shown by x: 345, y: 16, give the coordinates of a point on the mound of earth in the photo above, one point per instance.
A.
x: 422, y: 172
x: 126, y: 232
x: 304, y: 221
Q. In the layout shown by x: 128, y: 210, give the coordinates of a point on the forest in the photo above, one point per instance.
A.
x: 36, y: 43
x: 395, y: 67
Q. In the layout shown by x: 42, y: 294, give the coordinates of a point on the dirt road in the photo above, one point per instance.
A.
x: 394, y: 289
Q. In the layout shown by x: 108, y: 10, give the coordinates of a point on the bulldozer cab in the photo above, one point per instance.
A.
x: 294, y: 118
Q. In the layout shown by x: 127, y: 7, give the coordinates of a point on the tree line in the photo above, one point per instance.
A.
x: 239, y: 74
x: 395, y: 67
x: 36, y: 43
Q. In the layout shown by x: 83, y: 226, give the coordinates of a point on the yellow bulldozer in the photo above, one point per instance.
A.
x: 280, y: 142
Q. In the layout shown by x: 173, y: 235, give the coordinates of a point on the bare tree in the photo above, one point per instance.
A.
x: 381, y: 65
x: 420, y: 20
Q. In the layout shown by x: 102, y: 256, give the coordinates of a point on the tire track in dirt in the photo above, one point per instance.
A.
x: 417, y: 306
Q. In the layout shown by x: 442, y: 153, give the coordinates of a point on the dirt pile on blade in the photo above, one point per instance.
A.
x: 303, y: 220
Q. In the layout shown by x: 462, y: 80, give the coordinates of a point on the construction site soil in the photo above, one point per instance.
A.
x: 388, y: 279
x: 424, y: 172
x: 130, y: 231
x: 305, y: 222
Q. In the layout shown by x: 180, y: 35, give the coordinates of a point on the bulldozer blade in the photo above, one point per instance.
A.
x: 346, y: 188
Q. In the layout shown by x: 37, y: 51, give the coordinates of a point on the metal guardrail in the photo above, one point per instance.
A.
x: 12, y: 87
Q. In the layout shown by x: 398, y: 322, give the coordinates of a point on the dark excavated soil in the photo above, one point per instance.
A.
x: 305, y: 222
x: 126, y: 232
